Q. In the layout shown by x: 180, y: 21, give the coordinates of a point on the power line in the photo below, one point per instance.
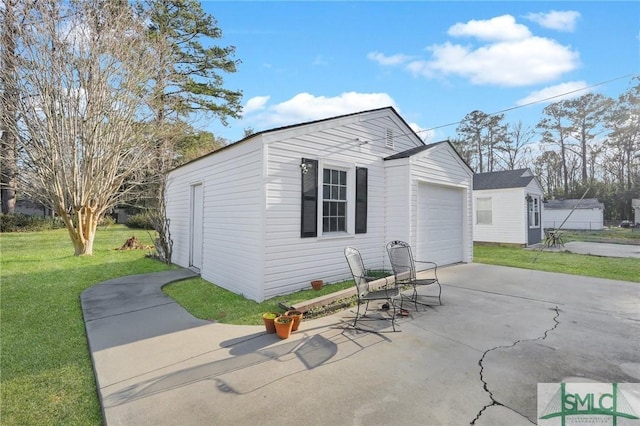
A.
x: 532, y: 103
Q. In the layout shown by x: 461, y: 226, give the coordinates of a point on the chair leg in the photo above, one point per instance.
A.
x: 355, y: 321
x: 393, y: 317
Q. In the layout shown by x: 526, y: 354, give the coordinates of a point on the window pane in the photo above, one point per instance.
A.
x: 326, y: 176
x: 334, y: 176
x: 326, y: 191
x: 341, y: 224
x: 343, y: 193
x: 325, y: 209
x: 341, y: 209
x: 334, y: 224
x: 325, y: 225
x: 334, y: 193
x: 343, y: 178
x: 334, y: 209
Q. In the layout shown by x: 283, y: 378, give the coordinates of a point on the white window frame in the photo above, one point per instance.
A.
x: 350, y: 169
x: 533, y: 207
x: 484, y: 209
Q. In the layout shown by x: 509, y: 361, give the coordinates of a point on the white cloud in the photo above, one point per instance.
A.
x: 305, y: 107
x: 382, y: 59
x: 511, y: 63
x: 499, y: 28
x: 256, y: 103
x: 556, y: 20
x: 505, y: 54
x: 555, y: 93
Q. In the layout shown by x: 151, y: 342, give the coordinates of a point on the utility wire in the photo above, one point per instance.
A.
x: 535, y: 102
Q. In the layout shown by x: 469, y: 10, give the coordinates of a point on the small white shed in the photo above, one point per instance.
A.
x: 268, y: 214
x: 587, y: 213
x: 635, y: 204
x: 507, y: 207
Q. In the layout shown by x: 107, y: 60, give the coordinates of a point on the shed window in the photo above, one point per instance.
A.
x: 534, y: 212
x: 483, y: 211
x: 334, y: 200
x: 343, y: 206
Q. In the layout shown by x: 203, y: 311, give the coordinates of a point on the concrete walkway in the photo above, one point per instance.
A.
x: 475, y: 360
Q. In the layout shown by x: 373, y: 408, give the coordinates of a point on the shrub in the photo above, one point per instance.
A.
x: 18, y: 222
x: 141, y: 221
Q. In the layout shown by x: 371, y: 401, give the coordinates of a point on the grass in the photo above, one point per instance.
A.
x: 624, y: 269
x: 47, y: 375
x: 592, y: 266
x: 207, y: 301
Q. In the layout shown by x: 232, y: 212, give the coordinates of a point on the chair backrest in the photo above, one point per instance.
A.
x: 402, y: 261
x: 357, y: 270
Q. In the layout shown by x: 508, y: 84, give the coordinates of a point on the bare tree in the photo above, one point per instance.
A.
x: 82, y: 84
x: 8, y: 143
x: 515, y: 146
x: 471, y: 132
x: 555, y: 131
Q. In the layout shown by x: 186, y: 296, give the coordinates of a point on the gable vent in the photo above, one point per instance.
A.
x: 389, y: 138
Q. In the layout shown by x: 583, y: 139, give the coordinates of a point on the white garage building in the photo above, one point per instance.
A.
x: 268, y: 214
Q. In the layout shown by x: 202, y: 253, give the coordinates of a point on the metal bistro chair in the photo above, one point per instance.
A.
x: 363, y: 291
x: 404, y: 269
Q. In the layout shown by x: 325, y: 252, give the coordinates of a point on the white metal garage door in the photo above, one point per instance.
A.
x: 440, y: 224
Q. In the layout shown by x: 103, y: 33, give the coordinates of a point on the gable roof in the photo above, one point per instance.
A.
x: 418, y: 149
x: 518, y: 178
x: 293, y: 126
x: 587, y: 203
x: 412, y: 151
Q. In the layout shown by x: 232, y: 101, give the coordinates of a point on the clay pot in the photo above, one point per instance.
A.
x: 268, y: 318
x: 283, y: 324
x: 297, y: 318
x: 316, y: 284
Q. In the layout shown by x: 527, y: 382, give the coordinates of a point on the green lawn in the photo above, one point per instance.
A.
x: 593, y: 266
x: 46, y: 372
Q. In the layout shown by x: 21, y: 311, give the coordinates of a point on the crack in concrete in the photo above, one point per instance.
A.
x: 485, y: 385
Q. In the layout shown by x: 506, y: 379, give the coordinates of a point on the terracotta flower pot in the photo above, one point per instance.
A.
x: 283, y: 324
x: 316, y: 284
x: 268, y: 318
x: 297, y: 318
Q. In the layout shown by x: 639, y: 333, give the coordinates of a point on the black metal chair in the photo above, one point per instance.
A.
x: 363, y: 290
x: 404, y: 270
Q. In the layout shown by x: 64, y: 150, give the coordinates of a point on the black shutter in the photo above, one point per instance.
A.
x: 361, y: 200
x: 309, y: 205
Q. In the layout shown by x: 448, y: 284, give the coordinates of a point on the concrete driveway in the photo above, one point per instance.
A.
x: 475, y: 360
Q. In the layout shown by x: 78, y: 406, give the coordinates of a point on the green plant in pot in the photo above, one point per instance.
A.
x: 297, y: 318
x: 268, y: 318
x: 283, y: 325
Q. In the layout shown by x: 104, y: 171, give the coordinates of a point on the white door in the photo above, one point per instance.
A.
x: 195, y: 250
x: 440, y: 224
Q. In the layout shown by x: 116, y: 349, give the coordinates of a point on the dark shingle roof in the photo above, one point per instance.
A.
x: 587, y: 203
x: 519, y: 178
x: 413, y: 151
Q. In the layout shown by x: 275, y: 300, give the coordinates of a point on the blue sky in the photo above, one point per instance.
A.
x: 433, y: 61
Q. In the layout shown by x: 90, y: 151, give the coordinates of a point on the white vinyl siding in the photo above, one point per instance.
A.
x: 509, y: 220
x: 232, y: 205
x: 591, y: 219
x: 252, y: 196
x: 292, y: 262
x: 509, y: 214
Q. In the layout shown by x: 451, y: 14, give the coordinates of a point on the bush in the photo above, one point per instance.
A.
x: 141, y: 221
x: 18, y: 222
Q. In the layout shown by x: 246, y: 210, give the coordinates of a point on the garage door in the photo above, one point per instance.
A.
x: 440, y: 224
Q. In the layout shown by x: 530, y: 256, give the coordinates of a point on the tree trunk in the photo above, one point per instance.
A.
x: 82, y: 230
x: 8, y: 102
